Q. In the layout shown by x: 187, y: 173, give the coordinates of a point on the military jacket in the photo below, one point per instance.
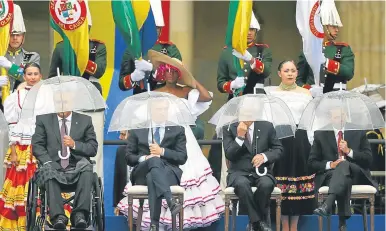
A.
x: 226, y: 71
x: 18, y: 59
x: 340, y: 67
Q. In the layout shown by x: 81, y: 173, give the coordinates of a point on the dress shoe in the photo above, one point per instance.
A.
x: 80, y: 221
x: 154, y: 228
x: 249, y: 227
x: 342, y: 227
x: 322, y: 210
x: 60, y: 223
x: 175, y: 208
x: 262, y: 226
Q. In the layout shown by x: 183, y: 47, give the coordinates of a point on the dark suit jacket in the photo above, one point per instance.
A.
x: 264, y: 141
x: 46, y: 141
x: 325, y: 149
x: 120, y: 175
x: 174, y: 143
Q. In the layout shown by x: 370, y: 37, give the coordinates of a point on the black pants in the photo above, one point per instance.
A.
x: 339, y: 181
x: 214, y: 159
x: 158, y: 177
x: 82, y: 195
x: 257, y: 203
x: 120, y: 175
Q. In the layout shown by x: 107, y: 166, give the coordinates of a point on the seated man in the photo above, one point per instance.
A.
x: 51, y: 144
x: 339, y: 163
x: 156, y: 158
x: 249, y: 145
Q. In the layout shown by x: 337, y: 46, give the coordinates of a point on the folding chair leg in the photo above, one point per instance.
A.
x: 226, y: 222
x: 139, y: 217
x: 278, y: 214
x: 234, y: 214
x: 329, y: 223
x: 372, y: 199
x: 320, y: 219
x: 130, y: 212
x: 364, y: 216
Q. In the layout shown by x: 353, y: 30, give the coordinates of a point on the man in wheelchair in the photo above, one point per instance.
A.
x: 63, y: 144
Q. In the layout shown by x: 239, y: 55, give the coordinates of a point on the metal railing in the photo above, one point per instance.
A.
x: 212, y: 142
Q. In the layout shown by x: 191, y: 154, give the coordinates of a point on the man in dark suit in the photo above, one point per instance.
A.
x: 339, y: 163
x: 249, y: 145
x: 50, y: 145
x: 120, y: 171
x: 156, y: 155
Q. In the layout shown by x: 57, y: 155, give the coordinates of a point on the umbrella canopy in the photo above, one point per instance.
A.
x: 61, y: 94
x: 341, y: 110
x: 151, y: 109
x: 259, y: 107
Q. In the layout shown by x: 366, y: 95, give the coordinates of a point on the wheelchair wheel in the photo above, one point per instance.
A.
x: 31, y: 204
x: 99, y: 212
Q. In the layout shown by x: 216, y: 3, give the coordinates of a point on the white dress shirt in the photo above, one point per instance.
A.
x: 68, y: 125
x: 350, y: 154
x: 150, y: 141
x: 250, y: 131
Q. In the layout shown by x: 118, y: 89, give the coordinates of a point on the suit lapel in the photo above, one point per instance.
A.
x: 332, y: 141
x: 55, y: 124
x: 167, y: 134
x: 74, y: 124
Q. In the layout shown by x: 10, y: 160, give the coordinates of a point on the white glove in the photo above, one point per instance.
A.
x: 4, y: 62
x: 238, y: 83
x: 323, y: 60
x: 246, y: 57
x: 316, y: 91
x: 137, y: 75
x: 3, y: 80
x: 143, y: 65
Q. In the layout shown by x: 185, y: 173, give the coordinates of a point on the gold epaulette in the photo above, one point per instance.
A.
x: 165, y: 42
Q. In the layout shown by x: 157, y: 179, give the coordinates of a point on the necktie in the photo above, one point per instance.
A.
x: 63, y: 129
x: 157, y: 136
x: 248, y: 138
x: 340, y: 137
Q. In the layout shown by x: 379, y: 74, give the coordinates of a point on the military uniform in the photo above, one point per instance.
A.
x: 226, y: 72
x: 96, y: 65
x: 18, y: 59
x: 340, y: 67
x: 128, y: 67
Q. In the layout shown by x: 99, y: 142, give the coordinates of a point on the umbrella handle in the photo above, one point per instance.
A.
x: 261, y: 174
x: 65, y: 157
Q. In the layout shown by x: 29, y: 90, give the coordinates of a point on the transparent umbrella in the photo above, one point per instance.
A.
x: 259, y: 107
x: 148, y: 109
x: 61, y: 94
x: 341, y: 110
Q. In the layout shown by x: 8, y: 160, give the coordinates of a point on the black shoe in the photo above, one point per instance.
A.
x: 80, y: 221
x: 249, y: 227
x: 154, y: 228
x: 262, y: 226
x: 60, y: 223
x: 342, y: 227
x: 175, y: 208
x: 322, y: 210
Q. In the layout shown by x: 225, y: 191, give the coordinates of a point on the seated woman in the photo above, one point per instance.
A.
x: 291, y: 172
x: 19, y: 162
x: 203, y: 204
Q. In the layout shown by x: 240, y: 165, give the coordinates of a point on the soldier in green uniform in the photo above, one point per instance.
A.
x: 16, y: 56
x: 338, y: 65
x: 257, y: 65
x: 133, y: 71
x: 96, y: 65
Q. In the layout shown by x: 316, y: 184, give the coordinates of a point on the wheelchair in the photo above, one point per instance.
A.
x: 37, y: 199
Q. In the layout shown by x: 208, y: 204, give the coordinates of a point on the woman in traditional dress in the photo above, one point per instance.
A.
x: 291, y: 172
x: 202, y: 203
x: 19, y: 162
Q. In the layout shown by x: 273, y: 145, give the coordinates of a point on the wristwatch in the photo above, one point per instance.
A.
x: 241, y: 137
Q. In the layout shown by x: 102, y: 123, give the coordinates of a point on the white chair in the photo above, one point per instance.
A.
x: 231, y: 196
x: 365, y: 192
x: 141, y: 192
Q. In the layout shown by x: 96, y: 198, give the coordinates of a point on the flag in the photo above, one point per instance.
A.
x: 69, y: 19
x: 311, y: 29
x: 6, y: 10
x: 135, y: 21
x: 239, y: 19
